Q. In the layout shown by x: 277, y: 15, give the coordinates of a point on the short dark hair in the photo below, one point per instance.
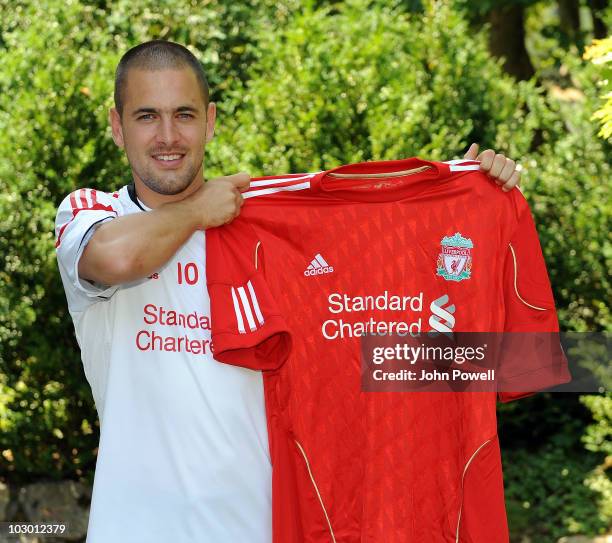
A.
x: 156, y: 55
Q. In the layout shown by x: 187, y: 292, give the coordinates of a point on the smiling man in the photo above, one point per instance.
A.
x: 183, y: 453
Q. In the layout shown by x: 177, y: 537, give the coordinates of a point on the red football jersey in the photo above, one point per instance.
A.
x: 314, y: 262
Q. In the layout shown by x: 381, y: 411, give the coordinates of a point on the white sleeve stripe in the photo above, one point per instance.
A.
x: 238, y: 313
x: 247, y: 309
x: 255, y: 303
x: 515, y: 278
x: 88, y: 198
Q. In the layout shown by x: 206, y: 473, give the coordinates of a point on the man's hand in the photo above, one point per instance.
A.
x: 219, y: 200
x: 504, y: 171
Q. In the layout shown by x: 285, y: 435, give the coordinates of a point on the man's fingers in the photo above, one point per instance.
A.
x: 239, y: 200
x: 472, y: 152
x: 504, y: 171
x: 507, y: 171
x: 486, y: 159
x: 514, y: 181
x: 498, y: 165
x: 241, y: 180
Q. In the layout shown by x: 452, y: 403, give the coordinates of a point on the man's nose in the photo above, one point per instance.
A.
x: 168, y: 132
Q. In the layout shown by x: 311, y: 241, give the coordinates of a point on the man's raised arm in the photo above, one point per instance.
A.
x: 134, y: 246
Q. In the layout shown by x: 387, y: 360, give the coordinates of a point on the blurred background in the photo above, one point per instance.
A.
x: 304, y: 86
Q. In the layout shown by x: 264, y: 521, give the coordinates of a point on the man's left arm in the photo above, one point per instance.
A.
x: 504, y: 171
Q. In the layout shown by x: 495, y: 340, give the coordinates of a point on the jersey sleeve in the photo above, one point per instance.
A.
x: 247, y: 328
x: 532, y: 357
x: 78, y: 216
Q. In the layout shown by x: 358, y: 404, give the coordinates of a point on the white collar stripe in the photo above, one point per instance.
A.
x: 464, y: 168
x: 460, y: 161
x: 269, y: 182
x: 272, y: 190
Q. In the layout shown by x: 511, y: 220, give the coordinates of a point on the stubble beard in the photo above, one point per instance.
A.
x: 168, y: 183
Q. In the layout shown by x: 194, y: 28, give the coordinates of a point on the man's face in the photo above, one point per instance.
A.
x: 164, y: 128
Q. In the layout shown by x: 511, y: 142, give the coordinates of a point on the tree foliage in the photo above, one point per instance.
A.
x: 337, y: 87
x: 600, y: 53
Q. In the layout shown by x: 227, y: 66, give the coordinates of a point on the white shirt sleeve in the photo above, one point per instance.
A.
x: 78, y: 216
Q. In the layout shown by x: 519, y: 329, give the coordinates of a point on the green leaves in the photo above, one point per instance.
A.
x: 553, y: 492
x: 335, y: 86
x: 600, y: 53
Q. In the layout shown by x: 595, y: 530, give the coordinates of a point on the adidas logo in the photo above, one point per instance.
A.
x: 318, y: 266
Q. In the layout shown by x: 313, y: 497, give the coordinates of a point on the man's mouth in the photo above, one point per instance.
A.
x: 168, y: 160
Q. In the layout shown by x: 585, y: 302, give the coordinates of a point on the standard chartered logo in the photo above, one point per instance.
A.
x: 375, y: 314
x: 442, y: 319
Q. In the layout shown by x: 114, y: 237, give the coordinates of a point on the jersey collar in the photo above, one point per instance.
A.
x: 374, y: 182
x: 131, y: 189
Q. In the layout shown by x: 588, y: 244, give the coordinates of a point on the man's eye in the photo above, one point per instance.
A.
x: 146, y: 117
x: 185, y: 115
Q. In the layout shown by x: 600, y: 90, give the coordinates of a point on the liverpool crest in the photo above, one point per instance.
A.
x: 455, y: 260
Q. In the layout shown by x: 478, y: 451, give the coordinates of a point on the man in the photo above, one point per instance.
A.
x: 183, y: 450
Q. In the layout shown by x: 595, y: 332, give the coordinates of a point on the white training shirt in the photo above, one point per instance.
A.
x: 183, y: 454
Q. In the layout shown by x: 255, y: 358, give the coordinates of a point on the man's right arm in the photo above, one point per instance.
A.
x: 139, y: 244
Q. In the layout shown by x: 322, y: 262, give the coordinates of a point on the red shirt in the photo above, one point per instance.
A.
x: 315, y: 261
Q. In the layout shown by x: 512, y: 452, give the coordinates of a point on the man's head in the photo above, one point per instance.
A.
x: 162, y: 115
x: 156, y: 55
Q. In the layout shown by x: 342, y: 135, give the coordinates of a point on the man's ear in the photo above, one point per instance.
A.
x: 211, y: 115
x: 116, y: 128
